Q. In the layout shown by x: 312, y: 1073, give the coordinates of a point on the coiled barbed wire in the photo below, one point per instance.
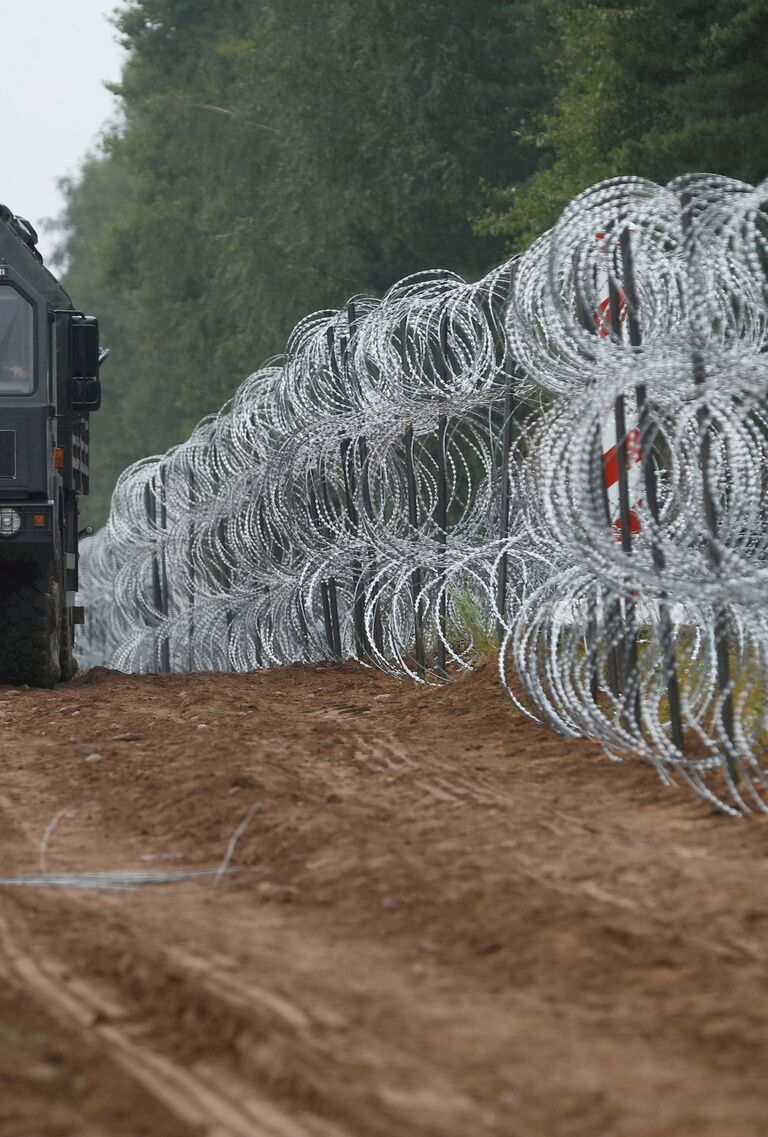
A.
x: 569, y: 455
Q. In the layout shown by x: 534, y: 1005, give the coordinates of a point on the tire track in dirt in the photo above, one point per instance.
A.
x: 449, y: 924
x: 194, y: 1095
x: 211, y: 1093
x: 191, y: 1093
x: 437, y: 778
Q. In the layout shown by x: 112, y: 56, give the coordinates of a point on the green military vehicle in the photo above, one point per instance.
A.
x: 49, y: 385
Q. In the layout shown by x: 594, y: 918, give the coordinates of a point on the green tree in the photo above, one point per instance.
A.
x: 275, y: 157
x: 654, y: 88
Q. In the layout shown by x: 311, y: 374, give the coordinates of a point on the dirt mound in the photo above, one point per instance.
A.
x: 445, y: 921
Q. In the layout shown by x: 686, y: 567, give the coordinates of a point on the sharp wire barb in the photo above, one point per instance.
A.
x: 564, y: 462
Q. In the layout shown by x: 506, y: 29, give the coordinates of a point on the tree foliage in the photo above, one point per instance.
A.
x: 275, y: 157
x: 648, y: 87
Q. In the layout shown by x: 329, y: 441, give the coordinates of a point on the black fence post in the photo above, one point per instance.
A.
x: 502, y: 578
x: 597, y: 623
x: 322, y: 507
x: 367, y: 502
x: 314, y: 513
x: 226, y: 587
x: 627, y: 659
x: 721, y: 630
x: 192, y: 581
x: 413, y: 518
x: 442, y: 507
x: 339, y: 369
x: 157, y: 515
x: 150, y: 504
x: 650, y: 483
x: 165, y: 647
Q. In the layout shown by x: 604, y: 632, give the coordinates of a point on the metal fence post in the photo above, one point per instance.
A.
x: 442, y: 508
x: 347, y: 454
x: 722, y: 639
x: 413, y: 518
x: 192, y: 581
x: 367, y: 502
x: 150, y: 504
x: 650, y: 483
x: 627, y: 659
x: 165, y: 647
x: 506, y: 450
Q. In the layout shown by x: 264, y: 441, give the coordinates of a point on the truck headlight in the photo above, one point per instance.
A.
x: 10, y: 522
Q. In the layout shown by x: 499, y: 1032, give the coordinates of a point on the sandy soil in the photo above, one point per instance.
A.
x: 446, y: 921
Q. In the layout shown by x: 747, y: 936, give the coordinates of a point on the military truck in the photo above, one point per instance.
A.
x: 49, y: 386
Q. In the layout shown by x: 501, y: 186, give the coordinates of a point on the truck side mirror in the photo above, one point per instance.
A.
x: 84, y: 347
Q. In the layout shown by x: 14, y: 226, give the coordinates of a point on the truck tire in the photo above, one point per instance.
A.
x: 67, y: 661
x: 30, y: 624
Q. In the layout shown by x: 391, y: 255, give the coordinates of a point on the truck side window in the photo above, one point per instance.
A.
x: 17, y: 343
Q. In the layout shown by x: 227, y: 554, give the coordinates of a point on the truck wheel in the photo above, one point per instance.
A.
x: 67, y: 661
x: 30, y: 624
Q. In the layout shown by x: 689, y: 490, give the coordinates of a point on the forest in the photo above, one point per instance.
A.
x: 275, y: 157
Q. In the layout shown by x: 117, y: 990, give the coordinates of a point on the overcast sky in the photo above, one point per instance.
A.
x: 56, y: 56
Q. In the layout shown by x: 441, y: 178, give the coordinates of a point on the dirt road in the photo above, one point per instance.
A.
x: 446, y: 922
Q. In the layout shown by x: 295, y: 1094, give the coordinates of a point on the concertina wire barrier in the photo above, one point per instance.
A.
x: 566, y: 460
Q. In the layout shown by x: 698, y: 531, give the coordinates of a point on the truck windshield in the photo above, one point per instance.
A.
x: 17, y: 343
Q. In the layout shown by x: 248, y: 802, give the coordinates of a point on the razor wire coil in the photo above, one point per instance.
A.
x: 420, y: 474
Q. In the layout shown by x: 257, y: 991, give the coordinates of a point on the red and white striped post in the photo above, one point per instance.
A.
x: 611, y: 443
